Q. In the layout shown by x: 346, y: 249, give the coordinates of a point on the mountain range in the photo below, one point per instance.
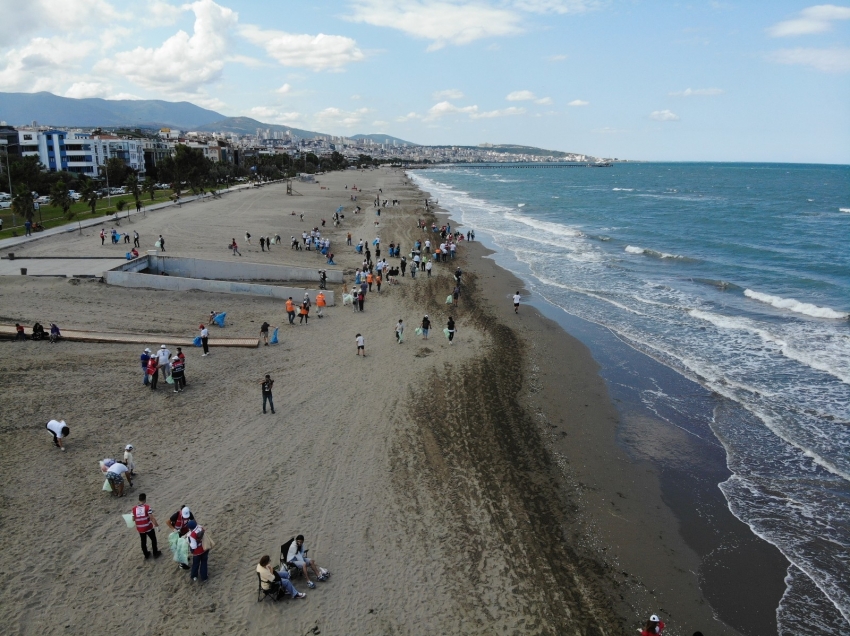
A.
x: 47, y: 109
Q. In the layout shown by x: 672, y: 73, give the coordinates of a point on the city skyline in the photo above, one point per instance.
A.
x: 707, y: 81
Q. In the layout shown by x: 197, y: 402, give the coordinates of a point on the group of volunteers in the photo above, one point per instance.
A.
x: 172, y: 367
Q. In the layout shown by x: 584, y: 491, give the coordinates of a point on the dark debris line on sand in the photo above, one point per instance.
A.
x: 476, y: 461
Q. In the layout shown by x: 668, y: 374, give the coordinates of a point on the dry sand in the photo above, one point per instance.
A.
x: 425, y: 477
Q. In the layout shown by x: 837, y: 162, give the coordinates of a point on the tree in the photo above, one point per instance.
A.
x: 149, y: 186
x: 133, y: 186
x: 88, y: 192
x: 117, y: 171
x: 61, y: 198
x: 23, y: 203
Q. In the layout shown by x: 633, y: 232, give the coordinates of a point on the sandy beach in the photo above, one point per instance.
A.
x: 472, y: 489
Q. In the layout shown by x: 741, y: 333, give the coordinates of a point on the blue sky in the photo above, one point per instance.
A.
x: 733, y: 81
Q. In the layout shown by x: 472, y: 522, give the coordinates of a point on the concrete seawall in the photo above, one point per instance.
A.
x: 235, y: 270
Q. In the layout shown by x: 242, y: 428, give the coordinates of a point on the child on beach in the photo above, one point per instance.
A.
x: 361, y: 345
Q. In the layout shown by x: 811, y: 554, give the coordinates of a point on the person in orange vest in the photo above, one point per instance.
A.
x: 320, y: 303
x: 304, y: 313
x: 199, y: 553
x: 290, y: 309
x: 369, y: 279
x: 145, y: 524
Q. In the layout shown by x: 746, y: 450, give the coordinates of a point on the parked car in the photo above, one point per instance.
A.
x: 116, y: 191
x: 43, y: 200
x: 75, y: 195
x: 5, y: 205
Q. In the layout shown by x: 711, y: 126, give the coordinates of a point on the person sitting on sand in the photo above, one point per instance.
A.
x: 272, y: 579
x: 55, y: 334
x: 297, y: 557
x: 38, y: 332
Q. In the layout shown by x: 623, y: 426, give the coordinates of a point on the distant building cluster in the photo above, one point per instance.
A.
x: 87, y: 151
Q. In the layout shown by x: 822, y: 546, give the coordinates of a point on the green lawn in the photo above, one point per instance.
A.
x: 52, y: 216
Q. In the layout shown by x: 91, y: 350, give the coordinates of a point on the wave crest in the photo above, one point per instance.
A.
x: 796, y: 306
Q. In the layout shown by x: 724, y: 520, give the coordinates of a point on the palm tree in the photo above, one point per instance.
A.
x: 88, y: 192
x: 23, y: 203
x: 132, y: 184
x: 60, y: 197
x: 149, y: 186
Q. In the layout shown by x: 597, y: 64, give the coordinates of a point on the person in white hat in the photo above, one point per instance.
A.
x: 128, y: 459
x: 144, y: 358
x: 654, y: 626
x: 179, y: 522
x: 163, y: 357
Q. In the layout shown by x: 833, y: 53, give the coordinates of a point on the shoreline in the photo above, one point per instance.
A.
x: 675, y: 561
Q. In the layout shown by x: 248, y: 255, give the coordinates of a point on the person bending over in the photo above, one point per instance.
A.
x: 297, y: 557
x: 270, y: 579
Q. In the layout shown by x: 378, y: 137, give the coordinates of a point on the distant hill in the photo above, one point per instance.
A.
x: 47, y: 109
x: 384, y: 139
x: 248, y: 126
x: 517, y: 150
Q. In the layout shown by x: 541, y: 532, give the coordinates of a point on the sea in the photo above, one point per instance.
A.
x: 735, y: 276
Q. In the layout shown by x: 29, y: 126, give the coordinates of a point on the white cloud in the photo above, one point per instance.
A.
x: 80, y: 90
x: 316, y: 52
x: 578, y: 102
x: 441, y: 21
x: 408, y: 117
x: 505, y: 112
x: 555, y: 6
x: 183, y: 63
x: 447, y: 108
x: 556, y: 58
x: 42, y: 64
x: 817, y: 19
x: 520, y: 96
x: 663, y: 115
x: 21, y: 19
x: 160, y: 13
x: 834, y: 60
x: 339, y: 118
x: 451, y: 93
x: 270, y: 115
x: 544, y: 101
x: 283, y: 90
x: 697, y: 92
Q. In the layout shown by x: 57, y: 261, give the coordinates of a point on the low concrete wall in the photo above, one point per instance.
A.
x: 122, y: 278
x: 236, y: 270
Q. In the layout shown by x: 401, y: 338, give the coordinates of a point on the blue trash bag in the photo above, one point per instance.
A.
x: 375, y: 242
x: 274, y: 339
x: 129, y: 256
x: 197, y: 341
x: 219, y: 319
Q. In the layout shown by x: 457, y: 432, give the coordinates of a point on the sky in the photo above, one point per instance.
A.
x: 689, y: 81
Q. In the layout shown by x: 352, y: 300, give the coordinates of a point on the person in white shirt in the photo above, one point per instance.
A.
x: 163, y: 358
x: 361, y: 345
x: 59, y: 430
x: 128, y: 459
x: 115, y: 475
x: 428, y: 267
x: 517, y: 298
x: 296, y: 555
x: 399, y: 331
x: 205, y: 340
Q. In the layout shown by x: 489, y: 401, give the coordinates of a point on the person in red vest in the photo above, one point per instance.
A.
x: 654, y: 626
x: 179, y: 522
x: 199, y: 553
x: 145, y: 524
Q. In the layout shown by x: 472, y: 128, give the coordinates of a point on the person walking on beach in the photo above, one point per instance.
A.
x: 177, y: 373
x: 450, y: 326
x: 247, y: 238
x: 320, y: 303
x: 146, y: 524
x: 264, y: 332
x: 205, y: 340
x: 361, y: 344
x: 428, y: 267
x: 517, y: 298
x: 304, y: 312
x: 153, y: 371
x: 59, y: 430
x: 128, y: 459
x: 263, y: 243
x: 426, y: 326
x: 234, y: 247
x: 136, y: 239
x: 267, y: 384
x: 161, y: 243
x: 399, y: 331
x: 403, y: 265
x: 361, y: 298
x: 290, y: 310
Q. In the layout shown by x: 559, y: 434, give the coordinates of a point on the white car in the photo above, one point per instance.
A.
x: 43, y: 200
x: 75, y: 195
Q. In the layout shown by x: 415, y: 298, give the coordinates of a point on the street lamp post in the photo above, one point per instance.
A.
x: 5, y: 144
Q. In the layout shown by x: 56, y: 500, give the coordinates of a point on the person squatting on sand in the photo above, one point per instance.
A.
x: 297, y: 556
x: 271, y: 579
x: 115, y: 475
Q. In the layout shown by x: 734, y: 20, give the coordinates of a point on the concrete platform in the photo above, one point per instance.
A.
x: 67, y: 267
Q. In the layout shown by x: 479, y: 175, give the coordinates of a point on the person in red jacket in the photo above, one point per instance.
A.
x: 654, y: 626
x: 199, y: 554
x: 145, y: 524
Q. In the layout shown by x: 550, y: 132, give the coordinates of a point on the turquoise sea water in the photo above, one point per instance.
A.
x: 738, y: 277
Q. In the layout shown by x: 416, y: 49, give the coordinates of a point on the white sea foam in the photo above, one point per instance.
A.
x: 844, y: 209
x: 553, y: 228
x: 796, y: 306
x: 633, y: 249
x: 520, y: 205
x: 623, y: 189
